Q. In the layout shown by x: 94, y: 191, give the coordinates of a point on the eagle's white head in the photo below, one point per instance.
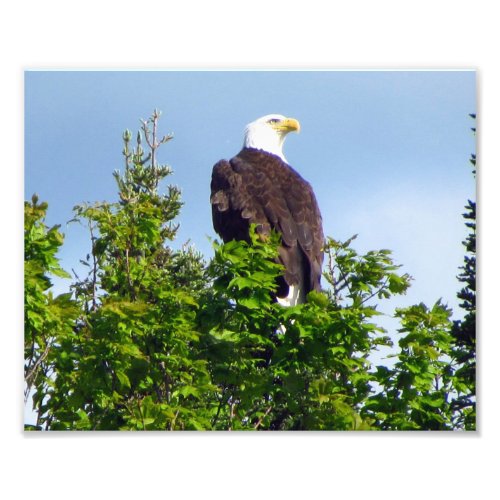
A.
x: 268, y: 133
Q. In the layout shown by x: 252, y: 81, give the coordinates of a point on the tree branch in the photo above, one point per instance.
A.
x: 256, y: 426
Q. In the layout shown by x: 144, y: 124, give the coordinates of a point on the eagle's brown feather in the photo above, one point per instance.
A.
x: 256, y: 187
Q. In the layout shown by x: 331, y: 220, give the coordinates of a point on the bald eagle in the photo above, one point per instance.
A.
x: 258, y: 186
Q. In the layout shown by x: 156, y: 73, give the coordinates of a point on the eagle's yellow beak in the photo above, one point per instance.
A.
x: 288, y: 125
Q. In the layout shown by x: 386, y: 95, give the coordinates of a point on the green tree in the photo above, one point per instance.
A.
x: 303, y: 367
x: 464, y: 331
x: 308, y: 367
x: 46, y: 317
x: 156, y: 339
x: 132, y: 360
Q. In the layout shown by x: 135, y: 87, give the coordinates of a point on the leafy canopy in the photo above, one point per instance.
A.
x: 153, y: 338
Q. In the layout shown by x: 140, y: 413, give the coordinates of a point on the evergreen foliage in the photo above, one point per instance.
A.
x: 464, y: 331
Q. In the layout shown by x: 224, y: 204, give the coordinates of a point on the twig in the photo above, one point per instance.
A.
x: 262, y: 418
x: 32, y: 372
x: 172, y: 422
x: 382, y: 286
x: 231, y: 414
x: 94, y: 268
x: 129, y: 278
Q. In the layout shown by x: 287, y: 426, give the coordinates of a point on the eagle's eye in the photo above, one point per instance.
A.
x: 274, y: 120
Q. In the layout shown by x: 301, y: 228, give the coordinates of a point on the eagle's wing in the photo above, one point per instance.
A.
x: 255, y: 187
x: 242, y: 194
x: 233, y: 208
x: 304, y: 209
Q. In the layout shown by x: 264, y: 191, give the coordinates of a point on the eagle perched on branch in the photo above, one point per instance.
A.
x: 258, y: 186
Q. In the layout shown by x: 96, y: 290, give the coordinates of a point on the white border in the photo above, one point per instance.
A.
x: 258, y: 35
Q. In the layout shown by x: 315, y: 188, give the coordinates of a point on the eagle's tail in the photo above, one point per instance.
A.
x: 295, y: 296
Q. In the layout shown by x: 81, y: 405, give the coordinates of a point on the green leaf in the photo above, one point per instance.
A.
x: 318, y: 299
x: 122, y: 377
x: 242, y: 283
x: 251, y: 303
x: 188, y: 390
x: 435, y: 400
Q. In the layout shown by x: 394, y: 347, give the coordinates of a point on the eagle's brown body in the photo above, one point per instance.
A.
x: 260, y: 188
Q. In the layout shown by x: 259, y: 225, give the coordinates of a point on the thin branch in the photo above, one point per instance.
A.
x: 382, y: 286
x: 222, y: 402
x: 256, y: 426
x: 129, y: 278
x: 172, y: 422
x: 346, y: 282
x: 232, y: 404
x: 147, y: 132
x: 331, y: 270
x: 155, y: 145
x: 94, y: 268
x: 29, y: 378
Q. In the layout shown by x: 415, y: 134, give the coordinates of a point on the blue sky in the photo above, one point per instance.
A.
x: 385, y: 151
